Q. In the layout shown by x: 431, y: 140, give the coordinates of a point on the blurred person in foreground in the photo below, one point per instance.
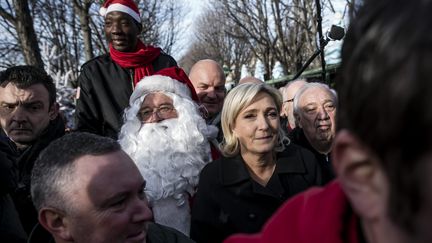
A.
x: 260, y: 170
x: 167, y: 138
x: 382, y: 152
x: 86, y: 189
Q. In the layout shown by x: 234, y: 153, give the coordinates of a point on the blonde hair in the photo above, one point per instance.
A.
x: 237, y: 99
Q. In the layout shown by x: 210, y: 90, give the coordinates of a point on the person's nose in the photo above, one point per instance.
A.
x: 154, y: 117
x: 211, y: 93
x: 262, y: 122
x: 115, y: 28
x: 142, y: 211
x: 322, y: 113
x: 19, y: 115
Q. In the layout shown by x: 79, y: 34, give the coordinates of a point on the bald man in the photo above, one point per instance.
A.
x: 250, y: 79
x: 208, y: 79
x: 289, y: 91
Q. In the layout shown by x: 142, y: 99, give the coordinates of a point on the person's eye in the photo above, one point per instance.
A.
x: 141, y: 194
x: 272, y: 114
x: 8, y: 107
x: 329, y: 107
x: 220, y: 88
x: 249, y: 116
x: 107, y: 24
x: 165, y: 109
x: 145, y: 113
x: 119, y: 203
x: 35, y: 107
x: 310, y: 110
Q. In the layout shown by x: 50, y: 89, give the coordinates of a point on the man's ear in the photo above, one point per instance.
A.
x: 297, y: 119
x: 54, y: 111
x: 140, y: 27
x: 360, y: 174
x: 55, y: 222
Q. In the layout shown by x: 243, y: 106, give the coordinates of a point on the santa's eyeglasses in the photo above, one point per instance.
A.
x: 163, y: 112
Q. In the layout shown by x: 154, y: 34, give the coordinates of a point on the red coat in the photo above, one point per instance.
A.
x: 317, y: 215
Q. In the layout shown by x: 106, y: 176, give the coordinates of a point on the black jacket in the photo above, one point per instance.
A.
x: 23, y: 161
x: 229, y: 201
x: 104, y: 92
x: 298, y: 137
x: 11, y: 229
x: 156, y: 233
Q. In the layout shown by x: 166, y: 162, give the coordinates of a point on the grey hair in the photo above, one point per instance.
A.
x: 311, y: 85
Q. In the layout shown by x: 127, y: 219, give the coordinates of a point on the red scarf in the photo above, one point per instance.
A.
x: 141, y: 60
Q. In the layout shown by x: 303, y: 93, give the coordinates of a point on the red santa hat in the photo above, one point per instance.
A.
x: 172, y: 79
x: 125, y: 6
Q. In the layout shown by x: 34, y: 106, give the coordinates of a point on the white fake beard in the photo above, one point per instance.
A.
x: 170, y: 156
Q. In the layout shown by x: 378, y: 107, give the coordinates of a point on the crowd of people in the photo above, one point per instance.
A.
x: 158, y: 155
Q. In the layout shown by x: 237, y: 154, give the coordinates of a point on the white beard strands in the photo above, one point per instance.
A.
x: 169, y: 154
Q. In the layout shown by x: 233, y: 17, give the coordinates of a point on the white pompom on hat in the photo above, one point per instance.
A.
x: 125, y: 6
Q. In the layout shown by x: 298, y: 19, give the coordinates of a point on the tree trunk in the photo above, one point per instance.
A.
x: 84, y: 17
x: 26, y: 34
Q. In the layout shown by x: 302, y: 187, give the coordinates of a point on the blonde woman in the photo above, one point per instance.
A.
x: 259, y: 171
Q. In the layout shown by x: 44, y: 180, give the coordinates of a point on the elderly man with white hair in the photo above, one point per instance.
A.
x: 167, y: 138
x: 315, y: 106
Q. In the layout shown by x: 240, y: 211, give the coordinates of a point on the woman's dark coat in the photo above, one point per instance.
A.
x: 229, y: 201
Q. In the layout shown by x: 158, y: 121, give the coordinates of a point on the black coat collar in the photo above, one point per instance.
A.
x: 233, y: 169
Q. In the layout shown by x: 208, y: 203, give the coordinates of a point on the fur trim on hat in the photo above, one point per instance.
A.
x: 156, y: 83
x: 125, y: 6
x: 102, y: 11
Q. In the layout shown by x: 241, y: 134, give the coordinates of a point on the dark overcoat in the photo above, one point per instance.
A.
x: 229, y: 201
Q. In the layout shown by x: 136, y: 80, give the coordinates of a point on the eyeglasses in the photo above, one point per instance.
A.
x: 163, y: 111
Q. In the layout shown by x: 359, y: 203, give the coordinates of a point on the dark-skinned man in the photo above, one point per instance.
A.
x: 106, y: 82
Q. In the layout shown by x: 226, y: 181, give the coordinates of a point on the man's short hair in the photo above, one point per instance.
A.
x: 385, y: 95
x: 26, y: 76
x: 53, y: 171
